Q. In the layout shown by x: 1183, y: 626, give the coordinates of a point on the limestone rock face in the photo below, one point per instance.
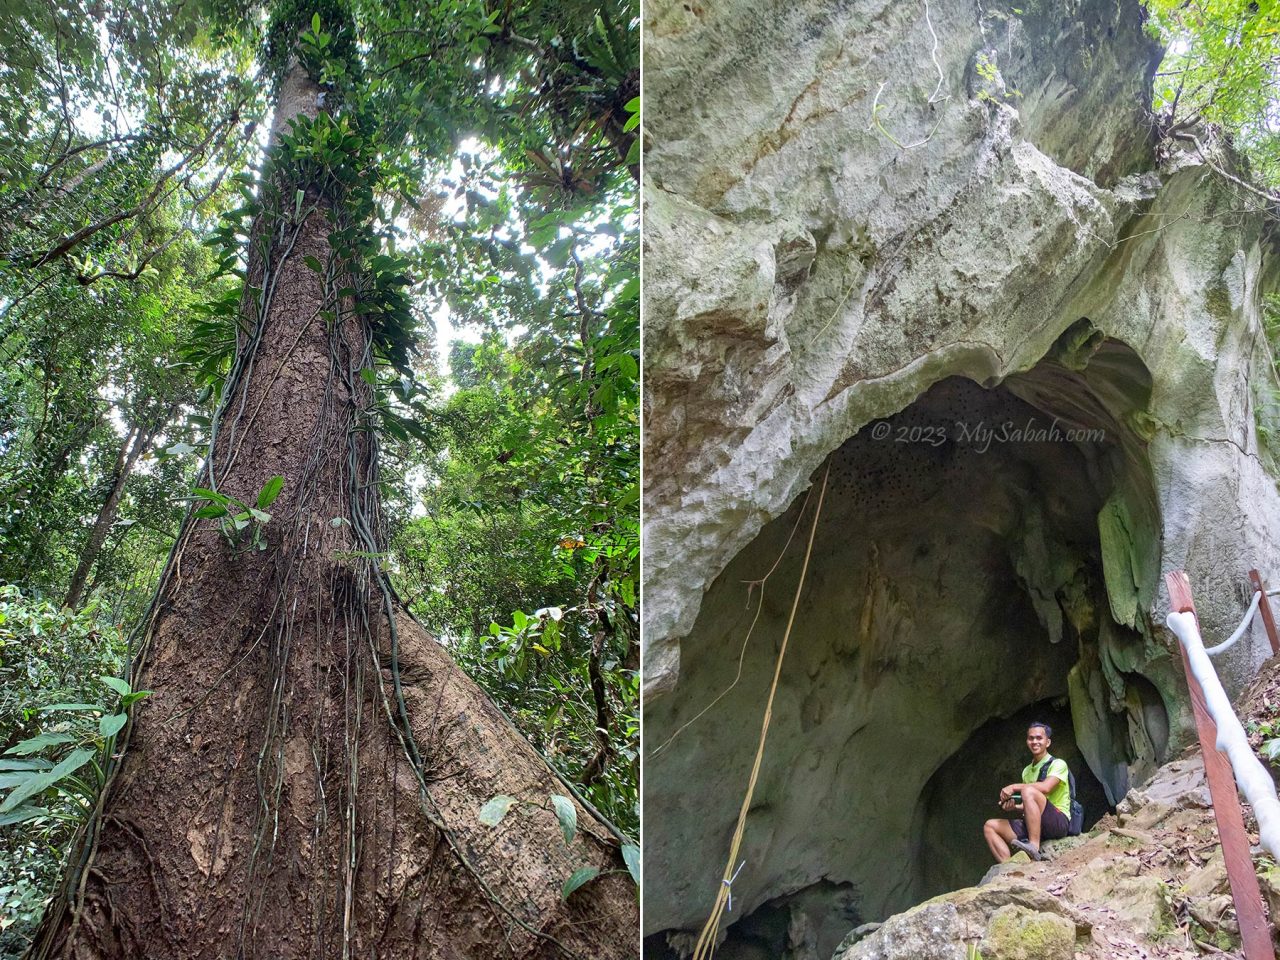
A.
x: 870, y: 226
x: 805, y: 275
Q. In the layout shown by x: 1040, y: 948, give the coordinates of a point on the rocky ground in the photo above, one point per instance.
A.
x: 1147, y: 882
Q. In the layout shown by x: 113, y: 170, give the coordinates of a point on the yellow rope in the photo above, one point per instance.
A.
x: 706, y: 945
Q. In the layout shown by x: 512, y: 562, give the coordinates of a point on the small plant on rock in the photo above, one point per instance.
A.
x: 1269, y: 733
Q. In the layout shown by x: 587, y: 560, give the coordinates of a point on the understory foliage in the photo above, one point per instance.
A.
x: 48, y: 655
x: 481, y: 161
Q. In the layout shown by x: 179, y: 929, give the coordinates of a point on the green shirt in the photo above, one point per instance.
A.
x: 1059, y: 796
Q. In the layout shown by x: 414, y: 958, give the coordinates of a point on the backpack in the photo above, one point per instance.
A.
x: 1077, y: 808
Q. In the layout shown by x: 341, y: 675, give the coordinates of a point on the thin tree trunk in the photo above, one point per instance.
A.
x: 135, y: 444
x: 307, y: 777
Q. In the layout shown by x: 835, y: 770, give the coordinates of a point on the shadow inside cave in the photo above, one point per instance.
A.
x: 984, y: 556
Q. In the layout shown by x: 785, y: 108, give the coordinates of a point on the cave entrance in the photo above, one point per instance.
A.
x: 985, y: 555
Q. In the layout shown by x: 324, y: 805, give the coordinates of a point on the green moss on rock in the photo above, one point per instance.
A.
x: 1016, y: 933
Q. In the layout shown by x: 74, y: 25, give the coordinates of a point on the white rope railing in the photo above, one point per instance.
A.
x: 1226, y: 645
x: 1251, y: 776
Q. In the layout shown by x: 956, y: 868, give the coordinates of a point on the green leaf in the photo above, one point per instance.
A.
x: 313, y: 263
x: 631, y: 857
x: 118, y: 685
x: 496, y: 810
x: 270, y: 490
x: 213, y: 495
x: 566, y: 814
x: 297, y: 204
x: 38, y: 743
x: 21, y: 815
x: 211, y: 512
x: 40, y: 763
x: 369, y: 376
x: 42, y: 781
x: 132, y: 698
x: 109, y: 726
x: 578, y: 878
x: 260, y: 515
x: 315, y: 23
x: 80, y: 707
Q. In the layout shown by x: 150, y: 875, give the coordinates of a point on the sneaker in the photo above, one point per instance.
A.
x: 1030, y: 849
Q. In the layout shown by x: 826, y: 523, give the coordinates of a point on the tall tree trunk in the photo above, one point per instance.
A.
x: 307, y: 777
x: 135, y: 444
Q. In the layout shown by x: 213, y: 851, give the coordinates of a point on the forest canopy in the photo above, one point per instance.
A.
x: 1221, y: 70
x: 478, y: 162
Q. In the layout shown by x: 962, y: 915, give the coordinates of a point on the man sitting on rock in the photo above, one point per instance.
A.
x: 1043, y: 799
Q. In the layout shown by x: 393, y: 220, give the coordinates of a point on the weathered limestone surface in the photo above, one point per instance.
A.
x: 806, y: 277
x: 1011, y: 920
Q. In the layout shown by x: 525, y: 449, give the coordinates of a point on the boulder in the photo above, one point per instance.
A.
x: 932, y: 931
x: 1004, y: 920
x: 1016, y: 933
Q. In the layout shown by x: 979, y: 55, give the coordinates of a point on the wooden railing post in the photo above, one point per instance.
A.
x: 1264, y: 607
x: 1255, y: 934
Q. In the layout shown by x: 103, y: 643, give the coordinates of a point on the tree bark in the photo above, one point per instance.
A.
x: 307, y: 776
x: 135, y: 444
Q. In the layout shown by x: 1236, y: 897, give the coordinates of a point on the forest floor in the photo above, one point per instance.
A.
x: 1146, y: 882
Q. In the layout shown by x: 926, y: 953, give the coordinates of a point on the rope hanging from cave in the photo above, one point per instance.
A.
x: 705, y: 947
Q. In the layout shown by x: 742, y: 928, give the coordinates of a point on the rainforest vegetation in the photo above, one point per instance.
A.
x: 319, y: 346
x: 1220, y: 78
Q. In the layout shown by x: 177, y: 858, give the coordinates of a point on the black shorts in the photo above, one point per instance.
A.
x: 1053, y: 824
